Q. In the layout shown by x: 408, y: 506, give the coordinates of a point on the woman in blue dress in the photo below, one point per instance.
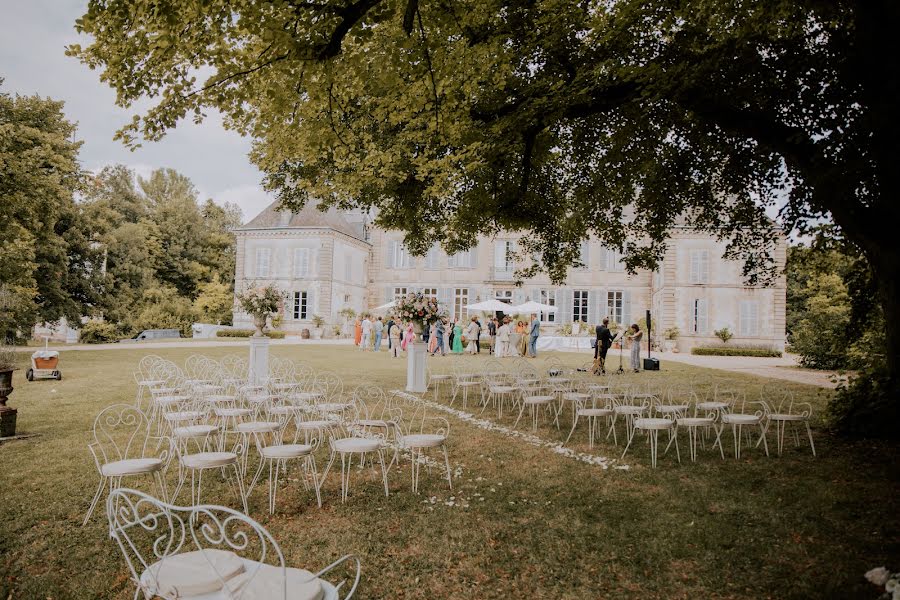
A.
x: 457, y: 339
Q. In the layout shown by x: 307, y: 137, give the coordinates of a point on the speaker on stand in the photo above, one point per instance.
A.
x: 650, y: 364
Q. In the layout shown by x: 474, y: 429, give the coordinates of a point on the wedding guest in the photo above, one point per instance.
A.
x: 439, y: 334
x: 478, y: 337
x: 522, y: 342
x: 394, y: 340
x: 366, y: 332
x: 357, y: 332
x: 432, y: 338
x: 602, y: 344
x: 472, y: 336
x: 503, y: 339
x: 520, y: 327
x: 636, y: 337
x: 379, y: 332
x: 452, y: 335
x: 390, y: 325
x: 447, y: 334
x: 534, y: 332
x: 408, y: 337
x: 492, y: 334
x: 457, y: 339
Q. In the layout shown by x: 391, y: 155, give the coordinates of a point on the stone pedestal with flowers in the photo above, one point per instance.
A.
x: 260, y: 303
x: 421, y: 311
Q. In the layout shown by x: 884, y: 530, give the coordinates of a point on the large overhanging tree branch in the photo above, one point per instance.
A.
x: 617, y: 119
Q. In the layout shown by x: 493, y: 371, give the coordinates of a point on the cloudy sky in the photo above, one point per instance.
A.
x: 33, y: 36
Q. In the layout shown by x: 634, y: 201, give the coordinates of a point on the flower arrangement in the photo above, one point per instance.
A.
x: 884, y: 578
x: 260, y: 302
x: 419, y: 309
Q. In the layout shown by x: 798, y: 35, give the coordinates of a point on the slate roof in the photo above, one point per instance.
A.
x: 308, y: 217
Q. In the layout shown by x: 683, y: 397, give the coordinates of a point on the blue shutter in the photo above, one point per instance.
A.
x: 473, y: 256
x: 626, y: 308
x: 564, y: 301
x: 388, y: 294
x: 389, y: 257
x: 310, y: 304
x: 592, y: 307
x: 601, y: 264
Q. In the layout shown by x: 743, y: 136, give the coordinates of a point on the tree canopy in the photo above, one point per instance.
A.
x: 563, y: 119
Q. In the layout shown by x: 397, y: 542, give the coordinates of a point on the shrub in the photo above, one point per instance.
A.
x: 245, y: 333
x: 672, y: 333
x: 823, y: 335
x: 8, y: 358
x: 723, y: 334
x: 98, y: 332
x: 214, y: 303
x: 735, y: 351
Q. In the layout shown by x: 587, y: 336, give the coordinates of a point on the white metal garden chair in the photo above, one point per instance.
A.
x: 211, y: 552
x: 601, y: 407
x: 348, y: 444
x: 464, y: 380
x: 696, y: 423
x: 123, y: 447
x: 421, y: 434
x: 738, y: 421
x: 789, y: 413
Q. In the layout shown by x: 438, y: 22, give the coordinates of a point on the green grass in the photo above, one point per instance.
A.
x: 548, y: 527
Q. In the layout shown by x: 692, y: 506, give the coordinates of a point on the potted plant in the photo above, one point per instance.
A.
x: 419, y: 310
x: 336, y: 330
x: 318, y: 322
x: 723, y: 334
x: 671, y: 334
x: 260, y: 303
x: 7, y: 414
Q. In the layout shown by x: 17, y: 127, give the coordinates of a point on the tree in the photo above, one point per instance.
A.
x: 560, y: 118
x: 215, y: 303
x: 47, y: 264
x: 825, y: 331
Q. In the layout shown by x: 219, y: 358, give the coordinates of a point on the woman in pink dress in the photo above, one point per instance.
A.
x: 432, y: 338
x: 408, y: 337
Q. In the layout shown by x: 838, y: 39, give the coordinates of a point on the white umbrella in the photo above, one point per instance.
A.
x: 390, y: 304
x: 490, y: 306
x: 533, y: 307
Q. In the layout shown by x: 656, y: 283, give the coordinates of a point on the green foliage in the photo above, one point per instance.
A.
x: 865, y: 405
x: 164, y: 308
x: 347, y: 313
x: 318, y: 321
x: 734, y: 350
x: 47, y: 264
x: 9, y: 358
x: 723, y: 334
x: 824, y: 332
x: 214, y: 303
x: 672, y: 333
x: 243, y: 333
x: 98, y: 332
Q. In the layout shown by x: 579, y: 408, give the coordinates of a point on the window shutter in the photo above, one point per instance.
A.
x: 585, y: 254
x: 601, y: 264
x: 518, y: 296
x: 564, y: 301
x: 473, y: 256
x: 536, y: 295
x: 388, y: 294
x: 389, y: 254
x: 702, y: 317
x: 704, y: 266
x: 263, y: 262
x: 445, y: 299
x: 600, y: 302
x: 500, y: 255
x: 626, y: 308
x: 592, y: 307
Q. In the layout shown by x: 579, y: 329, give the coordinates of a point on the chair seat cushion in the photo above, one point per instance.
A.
x: 372, y: 423
x: 208, y: 460
x: 539, y: 399
x: 653, y: 423
x: 220, y: 398
x: 423, y: 440
x: 628, y: 409
x: 575, y: 396
x: 440, y: 377
x: 502, y: 389
x: 184, y: 415
x: 711, y: 405
x: 670, y: 408
x: 595, y: 412
x: 355, y: 444
x: 333, y: 406
x: 787, y: 417
x: 131, y: 466
x: 286, y: 451
x: 314, y: 424
x: 267, y: 582
x: 194, y: 431
x: 740, y: 419
x: 257, y: 427
x: 168, y: 400
x: 232, y: 412
x: 695, y: 421
x: 192, y: 573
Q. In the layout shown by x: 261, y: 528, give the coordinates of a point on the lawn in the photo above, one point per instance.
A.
x: 522, y: 520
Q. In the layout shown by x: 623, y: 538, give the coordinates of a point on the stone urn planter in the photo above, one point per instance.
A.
x: 259, y: 321
x: 304, y: 334
x: 7, y: 414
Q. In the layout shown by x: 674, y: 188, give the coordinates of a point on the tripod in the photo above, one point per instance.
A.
x: 620, y: 370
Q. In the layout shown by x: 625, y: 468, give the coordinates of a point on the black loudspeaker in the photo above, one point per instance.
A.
x: 651, y: 364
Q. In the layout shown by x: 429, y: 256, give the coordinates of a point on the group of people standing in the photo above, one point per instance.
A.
x: 451, y: 337
x: 604, y: 342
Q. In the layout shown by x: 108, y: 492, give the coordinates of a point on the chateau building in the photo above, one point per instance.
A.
x: 326, y: 262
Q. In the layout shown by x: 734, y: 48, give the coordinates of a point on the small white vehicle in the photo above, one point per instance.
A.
x: 44, y: 365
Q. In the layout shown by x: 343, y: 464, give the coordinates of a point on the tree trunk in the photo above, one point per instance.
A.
x: 887, y: 274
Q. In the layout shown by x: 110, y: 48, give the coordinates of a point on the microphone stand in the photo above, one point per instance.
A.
x: 620, y: 337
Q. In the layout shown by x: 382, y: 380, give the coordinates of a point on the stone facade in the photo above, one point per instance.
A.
x: 360, y: 268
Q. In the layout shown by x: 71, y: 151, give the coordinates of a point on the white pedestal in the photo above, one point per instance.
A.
x: 259, y: 360
x: 415, y: 367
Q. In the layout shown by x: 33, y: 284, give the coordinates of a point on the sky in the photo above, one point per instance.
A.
x: 33, y: 36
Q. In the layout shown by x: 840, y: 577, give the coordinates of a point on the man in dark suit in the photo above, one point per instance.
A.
x: 478, y: 337
x: 602, y: 346
x: 390, y: 324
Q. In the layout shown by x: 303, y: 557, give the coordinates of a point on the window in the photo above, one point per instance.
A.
x: 300, y: 306
x: 460, y: 299
x: 399, y: 258
x: 430, y: 293
x: 548, y: 297
x: 263, y: 261
x: 504, y: 296
x: 431, y: 259
x: 348, y: 269
x: 580, y: 305
x: 614, y: 261
x: 699, y: 317
x: 504, y: 255
x: 301, y: 263
x: 749, y: 318
x: 460, y: 260
x: 614, y: 304
x: 399, y: 292
x: 699, y: 266
x: 584, y: 256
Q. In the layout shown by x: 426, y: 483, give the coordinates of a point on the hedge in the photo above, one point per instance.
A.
x: 243, y: 333
x: 98, y: 332
x: 735, y: 351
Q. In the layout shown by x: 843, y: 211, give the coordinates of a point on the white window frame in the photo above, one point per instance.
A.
x: 300, y: 307
x: 432, y: 259
x: 548, y: 297
x: 460, y: 260
x: 748, y: 321
x: 263, y: 262
x: 430, y: 292
x: 401, y: 258
x: 584, y: 255
x: 460, y: 299
x: 581, y: 302
x: 615, y: 305
x: 508, y: 252
x: 302, y: 257
x: 400, y: 292
x: 699, y: 266
x: 699, y: 316
x: 504, y: 296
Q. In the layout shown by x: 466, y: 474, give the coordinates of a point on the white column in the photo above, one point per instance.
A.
x: 415, y: 366
x: 259, y: 360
